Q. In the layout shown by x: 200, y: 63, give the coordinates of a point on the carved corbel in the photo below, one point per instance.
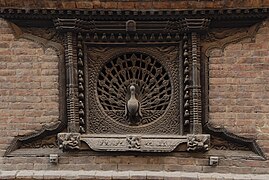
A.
x: 69, y: 141
x: 199, y: 142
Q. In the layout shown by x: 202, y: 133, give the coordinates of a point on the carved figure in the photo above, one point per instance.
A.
x: 198, y: 142
x: 69, y: 141
x: 133, y: 142
x: 132, y: 108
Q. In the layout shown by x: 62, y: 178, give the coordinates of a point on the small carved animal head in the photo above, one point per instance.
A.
x: 132, y: 89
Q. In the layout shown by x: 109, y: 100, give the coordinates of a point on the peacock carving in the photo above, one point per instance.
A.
x: 134, y: 89
x: 132, y: 108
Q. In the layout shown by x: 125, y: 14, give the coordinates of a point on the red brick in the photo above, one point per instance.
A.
x: 69, y: 5
x: 161, y: 4
x: 126, y: 5
x: 109, y: 5
x: 143, y: 5
x: 96, y: 4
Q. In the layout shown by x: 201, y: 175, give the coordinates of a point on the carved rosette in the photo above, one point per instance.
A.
x: 199, y: 142
x: 69, y: 141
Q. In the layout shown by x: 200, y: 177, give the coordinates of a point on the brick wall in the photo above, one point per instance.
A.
x: 238, y: 96
x: 135, y: 4
x: 239, y: 89
x: 28, y: 86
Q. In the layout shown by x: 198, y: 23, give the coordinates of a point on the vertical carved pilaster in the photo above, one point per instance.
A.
x: 196, y: 123
x: 194, y: 27
x: 71, y: 84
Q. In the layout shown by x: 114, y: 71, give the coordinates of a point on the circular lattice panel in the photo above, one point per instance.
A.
x: 152, y: 87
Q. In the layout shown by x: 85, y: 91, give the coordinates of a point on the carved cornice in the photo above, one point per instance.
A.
x: 136, y: 30
x: 192, y: 25
x: 133, y: 14
x: 218, y: 18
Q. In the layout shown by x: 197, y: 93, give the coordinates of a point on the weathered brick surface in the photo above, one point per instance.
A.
x: 239, y: 90
x: 28, y: 87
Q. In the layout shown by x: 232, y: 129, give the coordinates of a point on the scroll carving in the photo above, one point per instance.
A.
x: 48, y: 142
x: 223, y: 37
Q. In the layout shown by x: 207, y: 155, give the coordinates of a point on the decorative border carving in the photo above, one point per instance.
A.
x: 246, y: 15
x: 222, y: 39
x: 81, y: 84
x: 187, y: 69
x: 141, y: 143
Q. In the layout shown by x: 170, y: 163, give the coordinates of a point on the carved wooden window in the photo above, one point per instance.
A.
x: 132, y: 83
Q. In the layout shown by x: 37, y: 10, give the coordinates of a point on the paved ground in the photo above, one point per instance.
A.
x: 27, y: 174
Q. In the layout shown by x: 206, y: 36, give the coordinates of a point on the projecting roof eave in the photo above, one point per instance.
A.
x: 218, y: 17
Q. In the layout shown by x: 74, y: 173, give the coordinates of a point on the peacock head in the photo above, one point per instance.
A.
x: 132, y: 89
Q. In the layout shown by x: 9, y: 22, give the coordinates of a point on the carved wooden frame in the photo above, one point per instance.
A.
x: 188, y: 24
x: 76, y: 30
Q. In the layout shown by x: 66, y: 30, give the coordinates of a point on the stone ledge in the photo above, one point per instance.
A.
x: 27, y: 174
